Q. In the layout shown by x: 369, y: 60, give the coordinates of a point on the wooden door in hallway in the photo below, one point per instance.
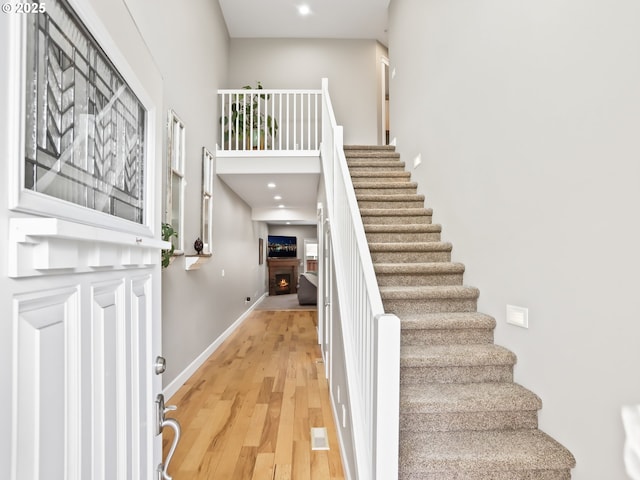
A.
x: 247, y: 413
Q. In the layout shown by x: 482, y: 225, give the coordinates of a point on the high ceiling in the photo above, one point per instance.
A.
x: 348, y: 19
x: 362, y: 19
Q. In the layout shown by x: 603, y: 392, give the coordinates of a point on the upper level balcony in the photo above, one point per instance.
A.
x: 270, y: 150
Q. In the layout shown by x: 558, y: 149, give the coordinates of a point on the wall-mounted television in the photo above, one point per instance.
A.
x: 281, y: 246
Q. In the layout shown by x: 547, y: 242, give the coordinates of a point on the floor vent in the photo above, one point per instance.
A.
x: 319, y: 440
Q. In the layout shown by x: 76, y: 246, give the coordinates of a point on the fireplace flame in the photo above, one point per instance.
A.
x: 283, y: 283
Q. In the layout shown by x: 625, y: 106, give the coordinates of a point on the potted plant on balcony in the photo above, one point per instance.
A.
x: 247, y: 126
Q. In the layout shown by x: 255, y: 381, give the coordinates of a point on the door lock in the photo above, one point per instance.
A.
x: 160, y: 365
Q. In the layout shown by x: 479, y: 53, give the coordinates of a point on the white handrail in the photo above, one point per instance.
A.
x: 371, y: 337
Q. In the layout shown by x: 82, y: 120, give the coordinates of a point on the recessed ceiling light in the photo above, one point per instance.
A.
x: 280, y: 206
x: 277, y: 197
x: 288, y: 223
x: 304, y: 10
x: 271, y: 185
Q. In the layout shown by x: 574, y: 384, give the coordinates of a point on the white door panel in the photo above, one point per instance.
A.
x: 107, y: 312
x: 141, y: 412
x: 43, y: 325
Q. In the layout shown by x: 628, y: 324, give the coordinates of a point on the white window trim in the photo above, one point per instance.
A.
x: 176, y: 162
x: 207, y: 194
x: 27, y: 201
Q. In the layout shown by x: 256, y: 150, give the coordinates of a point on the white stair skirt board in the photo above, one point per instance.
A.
x: 319, y: 440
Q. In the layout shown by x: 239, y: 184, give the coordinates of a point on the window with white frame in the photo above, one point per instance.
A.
x: 207, y: 200
x: 175, y: 179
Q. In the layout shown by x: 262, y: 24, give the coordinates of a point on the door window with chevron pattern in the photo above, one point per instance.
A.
x: 85, y: 128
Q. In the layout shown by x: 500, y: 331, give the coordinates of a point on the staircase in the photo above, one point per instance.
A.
x: 461, y: 415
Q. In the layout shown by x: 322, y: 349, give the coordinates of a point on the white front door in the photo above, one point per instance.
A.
x: 79, y: 249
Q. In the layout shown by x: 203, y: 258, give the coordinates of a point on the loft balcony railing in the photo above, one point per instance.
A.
x: 270, y: 122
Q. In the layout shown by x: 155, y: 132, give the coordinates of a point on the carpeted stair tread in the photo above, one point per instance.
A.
x: 446, y: 328
x: 383, y: 176
x: 367, y: 153
x: 403, y: 228
x: 400, y: 212
x: 486, y: 452
x: 382, y: 185
x: 390, y: 148
x: 467, y: 397
x: 410, y: 197
x: 447, y: 321
x: 391, y: 200
x: 419, y: 273
x: 375, y: 162
x: 410, y: 247
x: 429, y: 268
x: 419, y: 356
x: 402, y: 300
x: 402, y: 232
x: 429, y: 292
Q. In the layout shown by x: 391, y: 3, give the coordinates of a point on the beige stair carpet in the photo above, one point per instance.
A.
x: 461, y: 415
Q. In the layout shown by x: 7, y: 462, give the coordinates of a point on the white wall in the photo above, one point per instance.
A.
x: 190, y: 46
x: 350, y: 66
x: 527, y: 117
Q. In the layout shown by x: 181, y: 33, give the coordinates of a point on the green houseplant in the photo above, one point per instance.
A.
x: 247, y: 125
x: 167, y: 232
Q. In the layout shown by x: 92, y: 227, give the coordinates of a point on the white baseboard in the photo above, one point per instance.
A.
x: 182, y: 378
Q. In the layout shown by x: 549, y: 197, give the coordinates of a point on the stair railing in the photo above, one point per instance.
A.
x: 371, y: 337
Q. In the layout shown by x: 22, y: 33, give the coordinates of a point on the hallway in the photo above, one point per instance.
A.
x: 248, y: 411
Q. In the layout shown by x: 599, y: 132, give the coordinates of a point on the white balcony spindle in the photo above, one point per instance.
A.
x: 308, y: 121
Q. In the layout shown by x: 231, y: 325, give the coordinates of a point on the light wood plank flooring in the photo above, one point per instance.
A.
x: 247, y: 412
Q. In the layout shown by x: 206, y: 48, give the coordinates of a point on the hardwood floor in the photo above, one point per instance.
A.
x: 248, y: 411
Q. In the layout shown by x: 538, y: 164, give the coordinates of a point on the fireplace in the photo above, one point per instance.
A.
x: 283, y: 276
x: 283, y: 283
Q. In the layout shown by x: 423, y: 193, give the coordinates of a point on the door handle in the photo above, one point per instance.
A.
x: 161, y: 423
x: 163, y: 468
